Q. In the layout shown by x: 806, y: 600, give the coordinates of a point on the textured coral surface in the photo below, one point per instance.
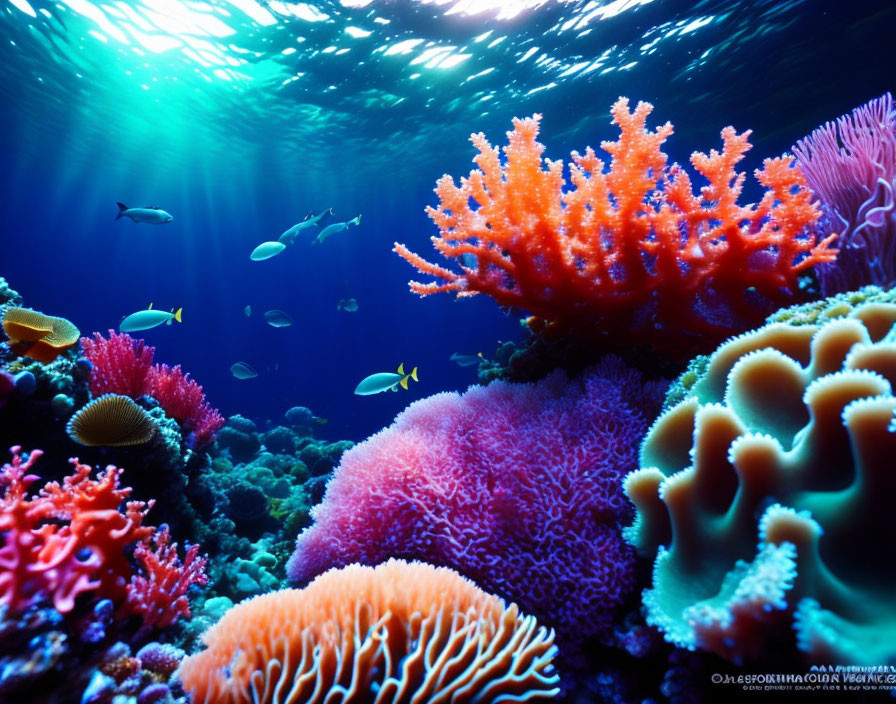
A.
x: 516, y: 486
x: 400, y: 632
x: 851, y: 166
x: 631, y: 253
x: 788, y: 438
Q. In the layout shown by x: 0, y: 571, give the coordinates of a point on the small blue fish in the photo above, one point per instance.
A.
x: 241, y: 370
x: 150, y: 214
x: 148, y: 319
x: 277, y: 319
x: 310, y: 220
x: 466, y: 360
x: 266, y: 250
x: 386, y: 381
x: 334, y: 228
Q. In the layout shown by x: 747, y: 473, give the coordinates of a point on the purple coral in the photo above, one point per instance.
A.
x: 851, y: 166
x: 516, y: 486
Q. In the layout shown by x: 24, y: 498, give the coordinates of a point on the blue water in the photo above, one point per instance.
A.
x: 238, y: 153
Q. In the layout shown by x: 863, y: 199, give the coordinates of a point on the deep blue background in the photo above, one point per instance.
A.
x: 63, y: 251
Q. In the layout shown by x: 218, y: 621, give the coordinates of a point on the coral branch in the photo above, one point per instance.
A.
x: 631, y: 253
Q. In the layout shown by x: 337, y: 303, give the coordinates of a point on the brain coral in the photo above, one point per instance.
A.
x: 516, y: 486
x: 788, y: 436
x: 400, y: 632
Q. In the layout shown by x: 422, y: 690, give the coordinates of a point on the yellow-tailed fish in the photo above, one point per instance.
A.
x: 149, y: 318
x: 386, y: 381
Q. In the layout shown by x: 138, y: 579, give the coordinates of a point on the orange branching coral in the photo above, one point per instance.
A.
x: 631, y: 253
x: 399, y: 632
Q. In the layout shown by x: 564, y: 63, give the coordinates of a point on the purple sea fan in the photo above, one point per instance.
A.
x: 516, y: 486
x: 851, y: 166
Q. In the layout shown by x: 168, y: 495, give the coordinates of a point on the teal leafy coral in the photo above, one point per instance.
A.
x: 787, y: 437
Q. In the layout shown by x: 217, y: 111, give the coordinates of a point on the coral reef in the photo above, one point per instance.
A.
x: 80, y: 568
x: 148, y: 677
x: 262, y: 492
x: 514, y: 486
x: 183, y: 399
x: 408, y: 632
x: 72, y: 539
x: 631, y: 255
x: 811, y: 313
x: 122, y: 365
x: 851, y: 166
x: 787, y: 437
x: 159, y: 594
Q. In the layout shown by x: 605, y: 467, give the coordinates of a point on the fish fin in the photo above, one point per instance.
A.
x: 479, y: 354
x: 149, y: 307
x: 413, y: 374
x: 404, y: 383
x: 121, y: 208
x: 168, y: 322
x: 400, y: 369
x: 357, y: 220
x: 394, y: 388
x: 177, y: 316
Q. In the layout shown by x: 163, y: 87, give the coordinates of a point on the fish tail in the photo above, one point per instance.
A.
x: 357, y: 220
x: 177, y: 316
x: 413, y: 374
x: 121, y: 208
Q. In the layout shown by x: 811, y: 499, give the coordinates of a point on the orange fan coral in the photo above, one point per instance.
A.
x: 399, y: 632
x: 630, y: 254
x: 41, y: 337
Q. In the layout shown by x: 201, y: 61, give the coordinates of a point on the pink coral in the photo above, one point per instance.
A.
x: 183, y: 399
x: 159, y: 596
x: 120, y: 364
x: 123, y: 365
x: 515, y: 486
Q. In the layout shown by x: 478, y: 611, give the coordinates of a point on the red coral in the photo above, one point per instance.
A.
x: 120, y: 364
x: 183, y: 399
x: 68, y: 539
x: 73, y: 538
x: 631, y: 251
x: 159, y: 596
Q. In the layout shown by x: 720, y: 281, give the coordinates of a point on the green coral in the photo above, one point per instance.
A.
x: 680, y: 389
x: 788, y: 435
x: 838, y: 306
